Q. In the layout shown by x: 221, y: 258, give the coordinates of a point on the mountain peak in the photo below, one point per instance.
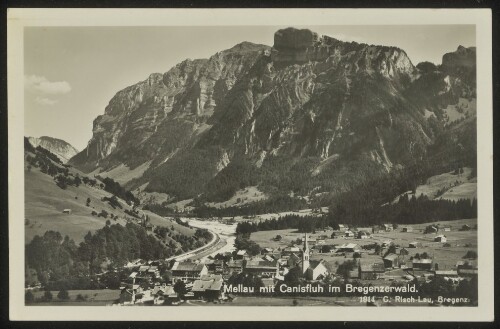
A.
x: 59, y: 147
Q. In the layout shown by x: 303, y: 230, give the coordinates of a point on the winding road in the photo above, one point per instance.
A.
x: 222, y: 240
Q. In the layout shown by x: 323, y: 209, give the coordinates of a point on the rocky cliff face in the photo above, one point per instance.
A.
x: 62, y: 149
x: 314, y: 104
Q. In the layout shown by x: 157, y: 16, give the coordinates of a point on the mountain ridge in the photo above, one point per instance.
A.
x: 211, y: 126
x: 62, y: 149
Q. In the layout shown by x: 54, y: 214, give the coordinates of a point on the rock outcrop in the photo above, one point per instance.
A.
x: 62, y: 149
x: 353, y: 110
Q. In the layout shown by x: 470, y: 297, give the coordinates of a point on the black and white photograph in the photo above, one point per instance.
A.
x: 321, y: 161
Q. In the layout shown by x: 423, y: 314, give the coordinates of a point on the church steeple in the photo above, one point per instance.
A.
x: 305, y: 255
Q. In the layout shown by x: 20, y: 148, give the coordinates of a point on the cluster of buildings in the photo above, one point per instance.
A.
x: 206, y: 280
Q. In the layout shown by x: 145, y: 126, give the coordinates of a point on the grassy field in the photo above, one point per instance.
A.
x: 94, y: 297
x: 446, y: 257
x: 245, y: 196
x: 466, y: 188
x: 45, y: 201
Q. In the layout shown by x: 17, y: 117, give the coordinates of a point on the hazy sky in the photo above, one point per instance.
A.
x: 71, y: 73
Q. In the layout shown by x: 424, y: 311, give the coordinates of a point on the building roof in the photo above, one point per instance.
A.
x: 467, y: 263
x: 391, y: 257
x: 235, y: 263
x: 422, y: 261
x: 208, y: 282
x: 372, y: 267
x: 446, y: 272
x: 348, y: 246
x: 188, y: 267
x: 241, y: 252
x: 260, y: 264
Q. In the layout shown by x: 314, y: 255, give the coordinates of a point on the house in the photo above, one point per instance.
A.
x: 269, y: 258
x: 440, y: 238
x: 290, y: 250
x: 240, y: 254
x: 407, y: 229
x: 465, y: 227
x: 267, y: 250
x: 387, y: 243
x: 363, y: 235
x: 432, y: 229
x: 216, y: 266
x: 467, y: 268
x: 348, y: 234
x: 317, y: 270
x: 337, y: 234
x: 209, y: 287
x: 66, y: 211
x: 149, y: 227
x: 387, y: 227
x: 369, y: 270
x: 234, y: 266
x: 187, y: 271
x: 293, y: 260
x: 130, y: 293
x: 163, y: 293
x: 343, y: 227
x: 310, y: 240
x: 391, y: 261
x: 348, y: 247
x: 446, y: 274
x: 447, y: 228
x: 414, y: 244
x: 261, y: 267
x: 422, y: 264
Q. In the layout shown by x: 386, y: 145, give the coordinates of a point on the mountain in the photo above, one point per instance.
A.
x: 62, y: 149
x: 310, y: 115
x: 51, y: 187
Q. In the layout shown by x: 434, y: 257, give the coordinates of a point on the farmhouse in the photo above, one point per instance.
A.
x: 422, y: 264
x: 391, y: 260
x: 440, y: 238
x: 467, y: 268
x: 387, y: 227
x: 208, y: 287
x: 371, y: 270
x: 343, y: 227
x: 447, y: 228
x: 348, y: 234
x: 234, y: 266
x: 293, y: 260
x: 363, y: 235
x: 261, y: 267
x: 407, y: 229
x: 311, y: 241
x: 241, y: 254
x: 215, y: 266
x: 187, y: 271
x: 387, y: 243
x: 348, y: 247
x: 66, y: 211
x: 446, y: 274
x: 414, y: 244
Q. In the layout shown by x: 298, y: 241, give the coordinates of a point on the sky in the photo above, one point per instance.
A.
x: 71, y: 73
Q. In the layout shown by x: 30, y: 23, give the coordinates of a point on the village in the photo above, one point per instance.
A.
x: 385, y: 255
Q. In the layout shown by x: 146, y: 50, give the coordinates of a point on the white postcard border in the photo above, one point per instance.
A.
x: 19, y: 18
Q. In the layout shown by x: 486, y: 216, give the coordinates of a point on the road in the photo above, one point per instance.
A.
x: 222, y: 241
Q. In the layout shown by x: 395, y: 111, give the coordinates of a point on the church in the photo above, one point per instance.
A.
x: 312, y: 269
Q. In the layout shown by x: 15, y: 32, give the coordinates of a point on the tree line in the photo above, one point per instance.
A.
x: 57, y: 262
